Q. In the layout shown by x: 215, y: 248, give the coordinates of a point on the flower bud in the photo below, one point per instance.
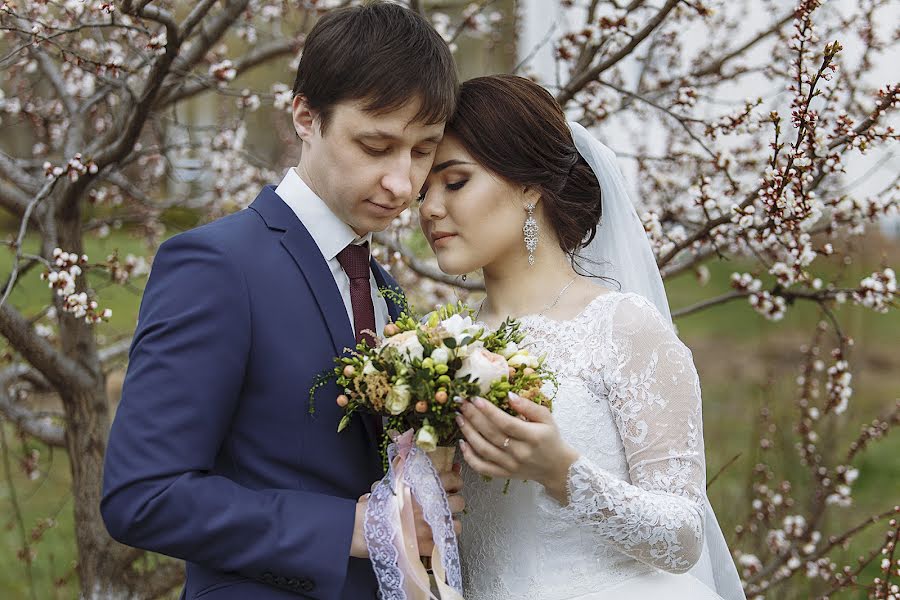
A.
x: 343, y: 400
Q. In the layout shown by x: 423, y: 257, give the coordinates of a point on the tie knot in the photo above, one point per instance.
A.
x: 354, y: 260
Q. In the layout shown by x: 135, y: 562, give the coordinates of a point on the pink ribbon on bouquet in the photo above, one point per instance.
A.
x: 390, y: 530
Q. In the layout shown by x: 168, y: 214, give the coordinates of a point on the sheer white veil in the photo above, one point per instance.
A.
x: 620, y: 250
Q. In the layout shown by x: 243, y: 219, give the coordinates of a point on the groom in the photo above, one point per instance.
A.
x: 214, y: 456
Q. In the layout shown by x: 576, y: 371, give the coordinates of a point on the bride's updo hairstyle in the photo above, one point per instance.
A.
x: 514, y: 128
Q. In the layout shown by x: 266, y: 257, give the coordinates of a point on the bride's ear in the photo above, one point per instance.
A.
x: 304, y: 117
x: 531, y: 195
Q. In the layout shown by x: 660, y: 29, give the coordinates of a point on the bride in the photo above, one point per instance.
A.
x: 608, y: 492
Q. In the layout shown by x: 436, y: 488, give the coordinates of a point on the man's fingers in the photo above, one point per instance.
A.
x: 452, y: 482
x: 457, y: 503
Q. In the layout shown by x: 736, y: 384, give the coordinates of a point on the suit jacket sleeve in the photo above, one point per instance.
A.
x: 186, y: 369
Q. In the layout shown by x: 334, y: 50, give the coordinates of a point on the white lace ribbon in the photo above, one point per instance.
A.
x: 390, y: 529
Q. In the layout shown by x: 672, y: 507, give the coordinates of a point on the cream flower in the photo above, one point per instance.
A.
x: 398, y: 398
x: 440, y: 356
x: 523, y: 358
x: 407, y: 343
x: 426, y: 438
x: 485, y: 367
x: 510, y: 349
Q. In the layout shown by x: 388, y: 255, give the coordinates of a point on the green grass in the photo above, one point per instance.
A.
x: 745, y: 362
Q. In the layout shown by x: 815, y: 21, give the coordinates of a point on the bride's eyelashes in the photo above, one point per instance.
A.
x: 456, y: 185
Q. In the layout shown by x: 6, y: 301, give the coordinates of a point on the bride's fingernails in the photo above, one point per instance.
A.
x: 460, y: 421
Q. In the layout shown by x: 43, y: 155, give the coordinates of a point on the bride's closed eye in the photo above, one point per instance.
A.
x: 456, y: 185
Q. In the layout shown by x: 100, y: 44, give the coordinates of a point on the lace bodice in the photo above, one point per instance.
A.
x: 629, y: 402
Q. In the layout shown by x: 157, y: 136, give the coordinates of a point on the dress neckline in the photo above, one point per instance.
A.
x: 559, y: 322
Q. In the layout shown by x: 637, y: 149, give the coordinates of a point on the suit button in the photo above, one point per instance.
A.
x: 307, y: 585
x: 280, y: 580
x: 267, y: 577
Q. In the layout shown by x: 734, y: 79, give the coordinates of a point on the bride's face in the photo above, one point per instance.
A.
x: 470, y: 216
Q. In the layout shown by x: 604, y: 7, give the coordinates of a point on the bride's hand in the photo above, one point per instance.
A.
x: 499, y: 445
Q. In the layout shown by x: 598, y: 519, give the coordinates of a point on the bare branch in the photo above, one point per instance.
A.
x: 114, y: 351
x: 41, y: 427
x: 259, y: 56
x: 16, y: 174
x: 210, y: 33
x: 579, y: 80
x: 60, y: 370
x: 197, y: 13
x: 715, y: 67
x: 50, y: 70
x: 20, y: 240
x: 13, y: 199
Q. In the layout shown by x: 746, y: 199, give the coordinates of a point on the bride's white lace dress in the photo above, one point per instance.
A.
x: 629, y: 402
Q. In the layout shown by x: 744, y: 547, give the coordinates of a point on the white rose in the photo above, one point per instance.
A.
x: 440, y: 356
x: 460, y: 327
x: 510, y: 349
x: 457, y: 325
x: 369, y: 368
x: 523, y: 359
x: 426, y: 438
x: 397, y: 399
x: 407, y: 343
x: 462, y: 352
x: 485, y: 368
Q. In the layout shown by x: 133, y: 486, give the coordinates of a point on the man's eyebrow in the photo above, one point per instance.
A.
x: 384, y: 135
x: 447, y: 164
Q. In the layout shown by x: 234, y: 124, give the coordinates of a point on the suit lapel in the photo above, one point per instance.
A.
x: 306, y: 254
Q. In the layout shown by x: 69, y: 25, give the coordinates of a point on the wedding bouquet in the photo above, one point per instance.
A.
x: 421, y: 369
x: 415, y: 377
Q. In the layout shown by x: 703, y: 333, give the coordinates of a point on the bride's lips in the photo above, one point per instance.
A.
x: 440, y: 238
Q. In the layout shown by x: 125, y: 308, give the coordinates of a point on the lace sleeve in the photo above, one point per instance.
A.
x: 654, y: 393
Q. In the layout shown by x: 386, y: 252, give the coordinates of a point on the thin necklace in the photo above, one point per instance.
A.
x: 546, y: 308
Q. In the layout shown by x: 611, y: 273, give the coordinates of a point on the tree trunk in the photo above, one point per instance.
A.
x: 103, y: 564
x: 100, y: 559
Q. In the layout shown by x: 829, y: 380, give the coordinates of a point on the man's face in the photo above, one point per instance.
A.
x: 367, y: 168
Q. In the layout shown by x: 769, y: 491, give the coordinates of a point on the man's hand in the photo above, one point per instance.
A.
x: 452, y: 483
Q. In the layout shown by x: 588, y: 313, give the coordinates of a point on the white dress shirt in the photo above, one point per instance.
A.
x: 331, y: 236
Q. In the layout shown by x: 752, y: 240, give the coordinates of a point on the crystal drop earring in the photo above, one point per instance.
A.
x: 530, y: 229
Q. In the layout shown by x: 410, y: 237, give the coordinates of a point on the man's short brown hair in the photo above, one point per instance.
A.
x: 380, y: 53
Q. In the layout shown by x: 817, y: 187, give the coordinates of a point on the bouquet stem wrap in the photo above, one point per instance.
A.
x: 390, y: 528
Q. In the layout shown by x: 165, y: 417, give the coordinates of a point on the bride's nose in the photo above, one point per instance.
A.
x: 431, y: 208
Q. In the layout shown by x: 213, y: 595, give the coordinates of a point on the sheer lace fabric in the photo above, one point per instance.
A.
x: 629, y: 402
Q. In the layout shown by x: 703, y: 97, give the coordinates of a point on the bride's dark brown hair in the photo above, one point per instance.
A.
x: 514, y: 128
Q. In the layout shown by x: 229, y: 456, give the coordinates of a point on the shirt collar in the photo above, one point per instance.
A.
x: 330, y: 233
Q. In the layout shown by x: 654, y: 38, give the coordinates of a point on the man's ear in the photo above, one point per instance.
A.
x: 304, y: 118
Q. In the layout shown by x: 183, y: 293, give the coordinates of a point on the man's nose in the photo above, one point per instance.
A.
x: 398, y: 180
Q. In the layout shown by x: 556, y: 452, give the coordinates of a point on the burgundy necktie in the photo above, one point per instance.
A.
x: 354, y: 260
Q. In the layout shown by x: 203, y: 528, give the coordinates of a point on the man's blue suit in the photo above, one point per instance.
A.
x: 213, y: 456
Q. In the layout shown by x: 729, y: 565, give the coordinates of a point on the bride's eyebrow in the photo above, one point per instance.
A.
x: 447, y: 164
